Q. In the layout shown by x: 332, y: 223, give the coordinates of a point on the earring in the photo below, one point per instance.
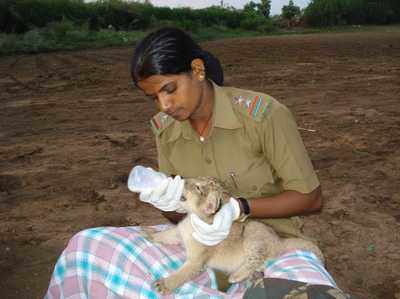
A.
x: 201, y: 77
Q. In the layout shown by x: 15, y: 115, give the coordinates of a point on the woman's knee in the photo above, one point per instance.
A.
x: 82, y: 237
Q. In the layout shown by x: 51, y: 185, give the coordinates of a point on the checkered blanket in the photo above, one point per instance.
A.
x: 111, y: 262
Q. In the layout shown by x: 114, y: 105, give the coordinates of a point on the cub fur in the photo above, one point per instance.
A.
x: 241, y: 255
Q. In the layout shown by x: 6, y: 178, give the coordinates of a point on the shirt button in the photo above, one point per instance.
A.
x: 208, y: 160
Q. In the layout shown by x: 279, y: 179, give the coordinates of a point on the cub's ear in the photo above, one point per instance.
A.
x: 212, y: 203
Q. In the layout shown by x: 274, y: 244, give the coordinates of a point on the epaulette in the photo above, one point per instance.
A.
x: 159, y: 122
x: 255, y: 106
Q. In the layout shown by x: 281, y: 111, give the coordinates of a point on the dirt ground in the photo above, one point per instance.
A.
x: 72, y: 126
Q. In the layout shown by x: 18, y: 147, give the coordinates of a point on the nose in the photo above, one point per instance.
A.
x: 165, y: 103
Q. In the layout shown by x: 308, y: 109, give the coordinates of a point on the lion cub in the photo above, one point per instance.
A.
x: 241, y: 254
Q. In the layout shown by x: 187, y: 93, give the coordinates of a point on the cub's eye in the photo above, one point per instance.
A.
x: 183, y: 198
x: 199, y: 190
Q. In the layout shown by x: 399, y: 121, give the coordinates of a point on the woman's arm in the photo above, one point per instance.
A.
x: 288, y: 203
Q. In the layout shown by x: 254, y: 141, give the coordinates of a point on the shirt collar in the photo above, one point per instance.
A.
x: 224, y: 116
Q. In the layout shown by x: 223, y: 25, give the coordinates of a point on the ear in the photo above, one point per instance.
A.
x: 198, y: 68
x: 212, y: 203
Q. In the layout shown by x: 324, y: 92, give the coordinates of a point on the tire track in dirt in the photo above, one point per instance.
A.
x: 100, y: 58
x: 85, y: 61
x: 43, y: 70
x: 115, y: 58
x: 11, y: 81
x: 116, y: 55
x: 61, y: 71
x: 81, y: 70
x: 6, y: 68
x: 53, y: 68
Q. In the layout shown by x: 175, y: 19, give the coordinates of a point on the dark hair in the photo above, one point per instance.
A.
x: 171, y: 51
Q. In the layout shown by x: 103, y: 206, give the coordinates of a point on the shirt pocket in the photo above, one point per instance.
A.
x: 256, y: 181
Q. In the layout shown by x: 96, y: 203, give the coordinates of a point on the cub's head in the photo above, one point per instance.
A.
x: 203, y: 196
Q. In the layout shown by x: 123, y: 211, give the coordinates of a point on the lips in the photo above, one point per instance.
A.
x: 171, y: 113
x: 174, y: 113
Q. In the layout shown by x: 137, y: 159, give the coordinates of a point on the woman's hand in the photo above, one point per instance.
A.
x: 212, y: 234
x: 166, y: 196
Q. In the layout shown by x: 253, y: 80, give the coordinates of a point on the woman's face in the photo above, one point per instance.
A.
x: 179, y: 96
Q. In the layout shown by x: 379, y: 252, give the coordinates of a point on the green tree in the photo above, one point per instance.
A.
x: 339, y: 12
x: 263, y: 8
x: 290, y: 11
x: 250, y: 7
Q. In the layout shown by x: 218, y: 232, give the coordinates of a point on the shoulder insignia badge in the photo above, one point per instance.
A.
x: 159, y: 122
x: 255, y: 107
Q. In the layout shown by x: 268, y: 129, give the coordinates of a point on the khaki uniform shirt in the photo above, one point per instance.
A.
x: 254, y: 146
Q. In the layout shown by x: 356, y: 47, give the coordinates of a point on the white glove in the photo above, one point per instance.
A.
x: 212, y: 234
x: 156, y: 188
x: 166, y: 196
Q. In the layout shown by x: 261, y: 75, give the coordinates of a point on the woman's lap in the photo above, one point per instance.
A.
x: 115, y: 262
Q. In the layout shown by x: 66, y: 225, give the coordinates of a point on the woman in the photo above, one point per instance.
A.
x: 246, y: 139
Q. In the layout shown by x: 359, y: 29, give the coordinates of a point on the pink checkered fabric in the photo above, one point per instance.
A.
x: 110, y: 262
x: 301, y: 266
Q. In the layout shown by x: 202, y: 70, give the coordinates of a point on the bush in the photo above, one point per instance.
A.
x: 33, y: 41
x: 39, y: 13
x: 23, y: 15
x: 252, y: 21
x: 39, y: 40
x: 59, y: 29
x: 340, y: 12
x: 79, y: 36
x: 8, y: 43
x: 267, y: 27
x: 216, y: 15
x: 116, y: 13
x: 19, y: 16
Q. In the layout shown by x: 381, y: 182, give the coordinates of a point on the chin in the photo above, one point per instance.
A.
x: 180, y: 117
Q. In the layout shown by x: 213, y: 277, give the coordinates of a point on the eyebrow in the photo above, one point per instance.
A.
x: 163, y: 88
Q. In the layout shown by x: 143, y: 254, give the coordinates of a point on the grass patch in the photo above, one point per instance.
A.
x: 60, y: 36
x: 67, y: 36
x: 219, y: 32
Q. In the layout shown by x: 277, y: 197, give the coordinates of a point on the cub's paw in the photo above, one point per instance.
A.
x: 161, y: 287
x: 239, y: 276
x: 257, y: 279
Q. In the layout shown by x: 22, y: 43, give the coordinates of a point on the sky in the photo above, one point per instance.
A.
x: 276, y: 5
